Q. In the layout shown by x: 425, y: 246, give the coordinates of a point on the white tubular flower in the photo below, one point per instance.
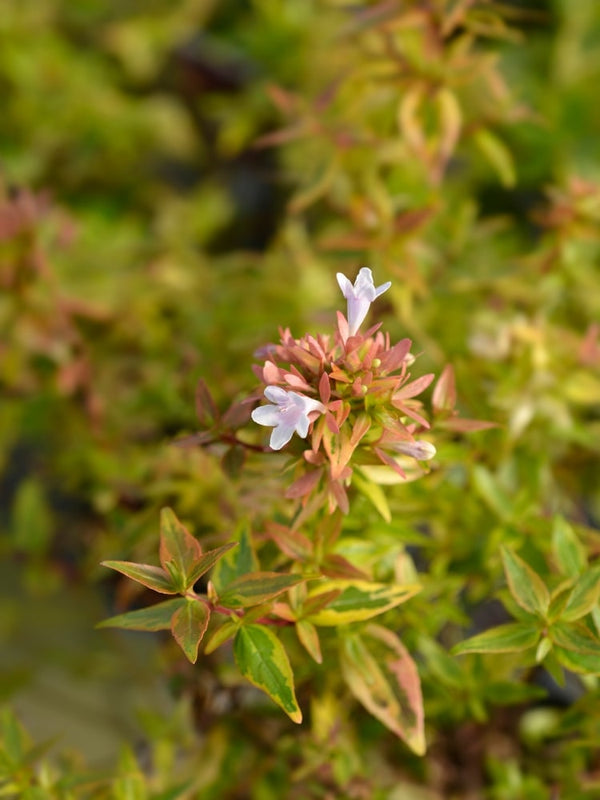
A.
x: 419, y: 449
x: 360, y: 296
x: 288, y: 415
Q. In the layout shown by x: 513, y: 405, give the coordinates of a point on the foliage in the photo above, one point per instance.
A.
x: 398, y: 597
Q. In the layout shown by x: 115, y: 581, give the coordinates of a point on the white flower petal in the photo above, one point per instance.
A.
x: 266, y: 415
x: 281, y: 436
x: 276, y: 394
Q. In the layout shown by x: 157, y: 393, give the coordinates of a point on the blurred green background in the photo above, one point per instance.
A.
x: 177, y: 180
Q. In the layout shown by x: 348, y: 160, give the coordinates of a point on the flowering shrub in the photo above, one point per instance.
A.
x: 321, y: 623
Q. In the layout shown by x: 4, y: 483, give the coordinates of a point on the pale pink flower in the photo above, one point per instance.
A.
x: 359, y: 296
x: 288, y: 415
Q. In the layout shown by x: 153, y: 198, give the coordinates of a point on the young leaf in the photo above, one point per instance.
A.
x: 152, y: 577
x: 357, y: 600
x: 227, y: 630
x: 208, y: 560
x: 384, y: 678
x: 309, y: 639
x: 188, y: 626
x: 525, y: 585
x: 206, y: 408
x: 242, y: 561
x: 585, y: 663
x: 584, y: 596
x: 178, y: 548
x: 373, y: 492
x: 568, y: 550
x: 510, y: 638
x: 250, y: 590
x: 263, y: 661
x: 154, y: 618
x: 575, y: 636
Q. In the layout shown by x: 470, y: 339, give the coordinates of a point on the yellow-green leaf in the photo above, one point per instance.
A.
x: 525, y: 585
x: 568, y: 550
x: 498, y: 155
x: 256, y: 588
x: 575, y: 636
x: 374, y: 493
x: 510, y: 638
x: 154, y: 618
x: 309, y: 638
x: 263, y: 661
x: 584, y: 596
x: 383, y: 677
x: 152, y: 577
x: 356, y: 600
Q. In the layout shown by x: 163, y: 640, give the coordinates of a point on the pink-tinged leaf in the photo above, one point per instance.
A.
x: 271, y: 373
x: 178, y: 548
x: 413, y: 388
x: 384, y: 679
x: 410, y: 411
x: 343, y: 327
x: 154, y: 618
x: 324, y: 388
x: 255, y: 588
x: 281, y: 136
x: 444, y: 393
x: 393, y: 359
x: 309, y: 639
x: 206, y: 408
x: 263, y: 661
x: 460, y: 425
x: 292, y: 543
x: 189, y: 625
x: 389, y: 462
x: 152, y: 577
x: 335, y: 565
x: 338, y: 497
x: 331, y: 423
x: 304, y: 485
x: 195, y: 440
x: 360, y: 428
x: 238, y: 414
x: 297, y: 382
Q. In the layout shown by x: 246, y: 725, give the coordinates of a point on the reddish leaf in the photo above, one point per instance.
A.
x: 206, y: 408
x: 444, y: 393
x: 189, y: 625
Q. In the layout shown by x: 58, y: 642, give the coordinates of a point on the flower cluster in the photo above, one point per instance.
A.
x: 352, y: 395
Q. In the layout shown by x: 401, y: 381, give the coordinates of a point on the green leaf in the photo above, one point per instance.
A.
x: 356, y: 600
x: 585, y: 663
x: 487, y: 487
x: 575, y: 636
x: 510, y: 638
x: 31, y: 520
x: 525, y: 585
x: 446, y: 669
x: 207, y: 561
x: 309, y: 639
x: 373, y: 493
x: 154, y: 618
x: 584, y: 596
x: 568, y: 550
x: 251, y: 590
x: 263, y: 661
x: 384, y: 678
x: 178, y: 548
x: 152, y: 577
x: 188, y: 626
x: 227, y: 630
x: 235, y: 564
x: 498, y: 155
